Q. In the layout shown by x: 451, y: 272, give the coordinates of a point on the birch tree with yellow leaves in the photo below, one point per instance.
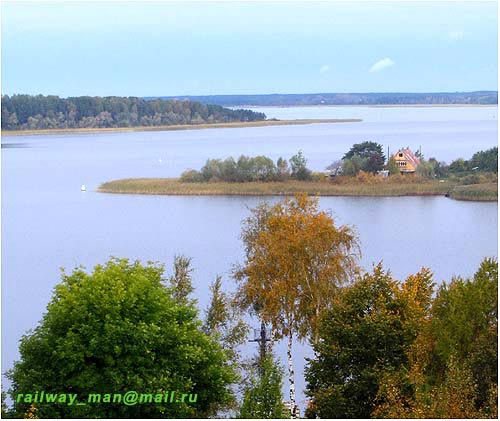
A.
x: 296, y: 258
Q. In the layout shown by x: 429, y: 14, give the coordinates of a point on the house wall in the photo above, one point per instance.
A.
x: 404, y: 164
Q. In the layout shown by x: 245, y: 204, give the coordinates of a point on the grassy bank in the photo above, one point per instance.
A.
x: 179, y: 127
x: 172, y: 186
x: 486, y: 192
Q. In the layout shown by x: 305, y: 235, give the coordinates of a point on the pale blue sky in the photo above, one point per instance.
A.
x: 168, y: 48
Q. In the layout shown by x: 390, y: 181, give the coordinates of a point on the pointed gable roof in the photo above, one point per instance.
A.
x: 409, y: 156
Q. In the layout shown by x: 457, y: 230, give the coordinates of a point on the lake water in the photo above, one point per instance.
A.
x: 47, y: 223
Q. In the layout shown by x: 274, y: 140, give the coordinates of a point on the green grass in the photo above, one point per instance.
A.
x: 179, y: 127
x: 478, y: 192
x: 382, y: 187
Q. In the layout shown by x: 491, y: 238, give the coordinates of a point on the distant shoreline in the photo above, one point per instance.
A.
x: 239, y: 124
x: 369, y: 106
x: 344, y: 99
x: 174, y: 187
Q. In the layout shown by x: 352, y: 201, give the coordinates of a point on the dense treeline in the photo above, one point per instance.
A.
x: 483, y: 166
x: 481, y: 161
x: 246, y: 169
x: 20, y: 112
x: 479, y: 97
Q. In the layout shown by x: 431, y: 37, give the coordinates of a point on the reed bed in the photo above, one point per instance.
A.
x: 487, y: 192
x: 172, y: 186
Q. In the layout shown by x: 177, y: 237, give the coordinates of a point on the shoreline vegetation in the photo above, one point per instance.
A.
x: 361, y: 172
x: 28, y: 112
x: 485, y: 192
x: 238, y: 124
x: 384, y: 188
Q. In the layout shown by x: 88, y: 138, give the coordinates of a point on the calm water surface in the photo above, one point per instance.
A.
x: 47, y: 223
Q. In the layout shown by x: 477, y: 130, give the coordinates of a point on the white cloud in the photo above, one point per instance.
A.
x: 455, y: 35
x: 324, y: 69
x: 382, y: 64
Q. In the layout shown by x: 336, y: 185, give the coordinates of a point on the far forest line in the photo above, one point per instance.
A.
x: 26, y: 112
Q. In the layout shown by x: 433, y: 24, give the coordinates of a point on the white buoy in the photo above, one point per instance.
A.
x: 83, y: 188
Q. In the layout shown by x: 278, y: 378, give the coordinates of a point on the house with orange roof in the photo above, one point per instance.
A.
x: 406, y: 160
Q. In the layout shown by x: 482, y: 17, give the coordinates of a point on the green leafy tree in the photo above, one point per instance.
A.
x: 393, y: 166
x: 180, y: 282
x: 244, y: 165
x: 262, y: 398
x: 224, y: 322
x: 440, y: 167
x: 426, y: 169
x: 298, y: 164
x: 282, y: 169
x: 352, y: 166
x: 211, y: 171
x: 458, y: 166
x: 120, y: 329
x: 364, y: 335
x: 485, y: 160
x: 371, y: 153
x: 246, y: 169
x: 465, y: 323
x: 263, y: 169
x: 229, y: 170
x: 191, y: 176
x: 452, y: 364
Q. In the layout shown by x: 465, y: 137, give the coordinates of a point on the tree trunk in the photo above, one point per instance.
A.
x: 263, y: 346
x: 291, y: 378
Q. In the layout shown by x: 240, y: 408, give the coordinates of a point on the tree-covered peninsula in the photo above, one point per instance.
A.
x: 26, y: 112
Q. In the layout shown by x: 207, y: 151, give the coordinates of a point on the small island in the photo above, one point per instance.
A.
x: 362, y: 172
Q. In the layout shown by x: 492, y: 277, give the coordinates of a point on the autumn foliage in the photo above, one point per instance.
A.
x: 296, y: 259
x: 392, y: 349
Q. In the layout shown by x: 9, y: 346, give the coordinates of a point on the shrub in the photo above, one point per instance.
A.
x: 191, y: 176
x: 299, y: 167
